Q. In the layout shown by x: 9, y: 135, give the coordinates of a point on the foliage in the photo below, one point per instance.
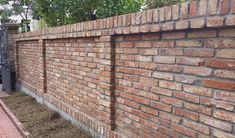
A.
x: 161, y: 3
x: 60, y: 12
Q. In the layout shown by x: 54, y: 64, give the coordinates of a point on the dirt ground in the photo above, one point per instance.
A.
x: 39, y: 121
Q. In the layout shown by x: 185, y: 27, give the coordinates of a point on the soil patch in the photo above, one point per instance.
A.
x: 39, y: 121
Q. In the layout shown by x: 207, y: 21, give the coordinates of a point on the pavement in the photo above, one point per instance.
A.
x: 7, y: 127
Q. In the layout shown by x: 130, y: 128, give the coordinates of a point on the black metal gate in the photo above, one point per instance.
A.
x: 5, y: 60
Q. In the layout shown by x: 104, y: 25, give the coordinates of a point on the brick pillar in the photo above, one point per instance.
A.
x: 107, y: 97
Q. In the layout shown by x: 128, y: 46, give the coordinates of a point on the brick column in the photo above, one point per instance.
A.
x: 107, y: 96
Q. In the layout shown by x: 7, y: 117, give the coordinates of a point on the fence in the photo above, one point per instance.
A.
x: 166, y: 72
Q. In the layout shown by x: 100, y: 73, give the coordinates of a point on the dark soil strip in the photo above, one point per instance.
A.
x: 39, y: 121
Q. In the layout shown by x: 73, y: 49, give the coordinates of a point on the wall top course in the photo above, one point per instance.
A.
x: 191, y: 15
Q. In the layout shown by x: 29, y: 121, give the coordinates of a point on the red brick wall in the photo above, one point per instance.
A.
x: 166, y: 72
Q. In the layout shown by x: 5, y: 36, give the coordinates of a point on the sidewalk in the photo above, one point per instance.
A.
x: 7, y: 128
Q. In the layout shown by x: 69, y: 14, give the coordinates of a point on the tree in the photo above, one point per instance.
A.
x: 16, y: 7
x: 160, y: 3
x: 60, y: 12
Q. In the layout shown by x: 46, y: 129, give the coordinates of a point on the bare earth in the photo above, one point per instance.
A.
x: 39, y: 121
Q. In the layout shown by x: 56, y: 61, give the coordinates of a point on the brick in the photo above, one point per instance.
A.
x: 215, y: 22
x: 168, y: 26
x: 188, y: 79
x: 198, y: 108
x: 205, y: 53
x: 184, y: 130
x: 215, y: 123
x: 168, y: 12
x: 227, y: 96
x: 143, y: 44
x: 202, y: 8
x: 151, y: 66
x: 170, y: 117
x: 154, y: 28
x: 173, y: 35
x: 164, y: 44
x: 213, y: 7
x: 221, y: 134
x: 198, y: 71
x: 144, y: 28
x: 155, y: 15
x: 144, y: 58
x: 168, y: 132
x: 184, y: 10
x: 233, y: 6
x: 164, y: 59
x: 161, y: 14
x: 224, y: 6
x: 171, y: 101
x: 220, y: 43
x: 227, y: 33
x: 149, y: 81
x: 197, y: 23
x: 151, y: 37
x: 126, y: 44
x: 170, y: 68
x: 193, y: 8
x: 161, y: 91
x: 196, y: 126
x: 141, y: 72
x: 198, y: 90
x: 186, y: 97
x: 175, y: 12
x: 164, y: 76
x: 149, y: 110
x: 202, y: 34
x: 170, y: 85
x: 181, y: 25
x: 217, y: 103
x: 161, y: 106
x: 171, y: 52
x: 224, y: 85
x: 225, y: 74
x: 230, y: 20
x: 188, y: 43
x: 222, y: 64
x: 149, y: 16
x: 189, y: 61
x: 148, y: 52
x: 226, y: 53
x: 135, y: 29
x: 224, y: 115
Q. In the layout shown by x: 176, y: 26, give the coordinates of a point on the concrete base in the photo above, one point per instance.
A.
x: 64, y: 115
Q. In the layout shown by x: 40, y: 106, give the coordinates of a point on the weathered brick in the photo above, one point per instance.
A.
x: 181, y: 25
x: 224, y: 85
x: 225, y: 74
x: 148, y: 52
x: 193, y: 9
x: 202, y: 34
x: 186, y: 97
x: 162, y: 14
x: 171, y: 52
x: 224, y: 6
x: 161, y: 91
x: 198, y: 71
x: 188, y: 43
x: 189, y: 61
x: 184, y: 130
x: 223, y: 64
x: 161, y: 75
x: 213, y: 7
x: 198, y: 108
x: 220, y: 43
x: 171, y: 101
x: 230, y: 20
x: 224, y: 115
x: 168, y: 12
x: 175, y: 12
x: 164, y: 59
x: 161, y: 106
x: 226, y: 53
x: 198, y: 90
x: 197, y: 126
x: 215, y: 22
x: 197, y: 23
x: 176, y: 35
x: 215, y: 123
x: 227, y: 96
x: 155, y: 15
x: 227, y: 33
x: 202, y: 7
x: 170, y: 85
x: 184, y: 10
x: 206, y: 53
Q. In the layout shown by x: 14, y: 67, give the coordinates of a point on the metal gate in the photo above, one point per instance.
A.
x: 5, y: 60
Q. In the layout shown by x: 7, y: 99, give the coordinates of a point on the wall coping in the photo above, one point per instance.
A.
x: 190, y: 15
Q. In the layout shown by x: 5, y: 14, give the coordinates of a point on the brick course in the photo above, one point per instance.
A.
x: 166, y: 72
